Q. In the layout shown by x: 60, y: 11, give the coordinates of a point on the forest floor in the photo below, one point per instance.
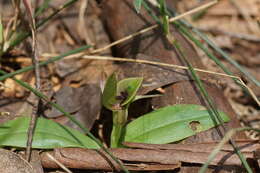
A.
x: 232, y: 25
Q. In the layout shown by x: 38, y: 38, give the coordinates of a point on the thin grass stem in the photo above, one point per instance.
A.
x: 220, y: 51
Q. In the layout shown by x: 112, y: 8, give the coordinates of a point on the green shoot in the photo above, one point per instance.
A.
x: 117, y: 97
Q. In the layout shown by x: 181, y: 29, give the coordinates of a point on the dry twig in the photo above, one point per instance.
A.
x: 35, y: 61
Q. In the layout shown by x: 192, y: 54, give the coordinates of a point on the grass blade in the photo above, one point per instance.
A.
x: 215, y: 59
x: 225, y: 56
x: 204, y: 93
x: 212, y: 107
x: 217, y: 49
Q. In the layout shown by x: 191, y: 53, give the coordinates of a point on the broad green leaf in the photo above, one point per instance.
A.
x: 47, y: 135
x: 137, y: 5
x: 110, y: 91
x: 129, y: 88
x: 170, y: 124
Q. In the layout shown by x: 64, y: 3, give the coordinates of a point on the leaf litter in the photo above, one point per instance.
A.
x: 74, y: 81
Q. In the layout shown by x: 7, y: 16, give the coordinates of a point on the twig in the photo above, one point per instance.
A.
x: 58, y: 163
x: 81, y: 26
x: 35, y: 61
x: 148, y: 156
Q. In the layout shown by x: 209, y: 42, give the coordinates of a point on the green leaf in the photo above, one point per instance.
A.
x: 110, y: 91
x: 129, y: 88
x: 47, y: 135
x: 170, y: 124
x: 137, y: 5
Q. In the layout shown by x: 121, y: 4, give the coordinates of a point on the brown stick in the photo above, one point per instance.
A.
x: 35, y: 61
x: 149, y: 156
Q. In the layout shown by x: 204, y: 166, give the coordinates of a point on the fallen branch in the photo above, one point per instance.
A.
x: 149, y: 156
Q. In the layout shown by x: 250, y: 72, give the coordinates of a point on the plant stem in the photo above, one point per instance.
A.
x: 119, y: 121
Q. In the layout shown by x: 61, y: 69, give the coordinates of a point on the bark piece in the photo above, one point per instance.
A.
x: 248, y: 146
x: 36, y: 161
x: 151, y: 156
x: 11, y: 162
x: 97, y: 160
